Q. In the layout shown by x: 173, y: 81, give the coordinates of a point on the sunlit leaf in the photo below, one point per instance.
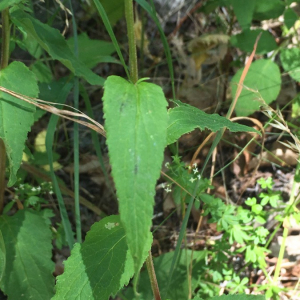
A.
x: 135, y: 122
x: 185, y: 118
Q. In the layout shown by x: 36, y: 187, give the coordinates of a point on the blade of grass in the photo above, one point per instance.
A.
x: 151, y: 11
x: 109, y: 29
x: 49, y: 142
x: 76, y: 137
x: 190, y: 199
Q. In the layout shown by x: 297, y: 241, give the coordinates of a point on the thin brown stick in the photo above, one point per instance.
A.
x: 200, y: 148
x: 152, y: 276
x: 241, y: 81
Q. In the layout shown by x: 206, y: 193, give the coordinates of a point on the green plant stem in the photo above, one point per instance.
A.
x: 290, y: 207
x: 4, y: 64
x: 273, y: 234
x: 152, y: 276
x: 5, y: 39
x: 280, y: 255
x: 133, y: 66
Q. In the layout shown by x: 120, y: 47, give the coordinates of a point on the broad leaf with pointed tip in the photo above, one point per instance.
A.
x: 54, y: 43
x: 262, y: 84
x: 185, y: 118
x: 100, y: 266
x: 28, y: 273
x: 135, y: 121
x: 16, y: 116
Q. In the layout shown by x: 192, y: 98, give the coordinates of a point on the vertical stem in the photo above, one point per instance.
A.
x: 153, y: 280
x: 280, y: 255
x: 5, y: 38
x: 134, y: 78
x: 4, y: 64
x: 131, y: 41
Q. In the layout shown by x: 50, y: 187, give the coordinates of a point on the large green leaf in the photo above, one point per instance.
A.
x: 179, y: 287
x: 243, y: 10
x: 290, y: 17
x: 185, y: 118
x: 6, y: 3
x: 135, y: 121
x: 246, y: 39
x: 266, y: 9
x: 238, y: 297
x: 17, y: 116
x: 54, y: 43
x: 28, y: 273
x: 263, y: 83
x: 91, y: 52
x: 99, y: 267
x: 290, y: 59
x: 113, y: 9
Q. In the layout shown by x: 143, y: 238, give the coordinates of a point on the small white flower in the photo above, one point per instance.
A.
x: 33, y: 189
x: 195, y: 170
x: 167, y: 165
x: 163, y: 185
x: 168, y: 190
x: 199, y: 176
x: 192, y: 180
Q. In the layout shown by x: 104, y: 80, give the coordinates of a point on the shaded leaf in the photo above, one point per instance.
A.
x: 6, y: 3
x: 17, y: 116
x: 290, y: 17
x: 263, y: 80
x: 113, y: 9
x: 266, y: 9
x: 185, y: 118
x: 246, y: 39
x: 28, y: 273
x: 54, y: 43
x: 91, y: 52
x: 100, y: 266
x: 135, y: 122
x: 243, y: 10
x: 41, y: 71
x: 290, y: 59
